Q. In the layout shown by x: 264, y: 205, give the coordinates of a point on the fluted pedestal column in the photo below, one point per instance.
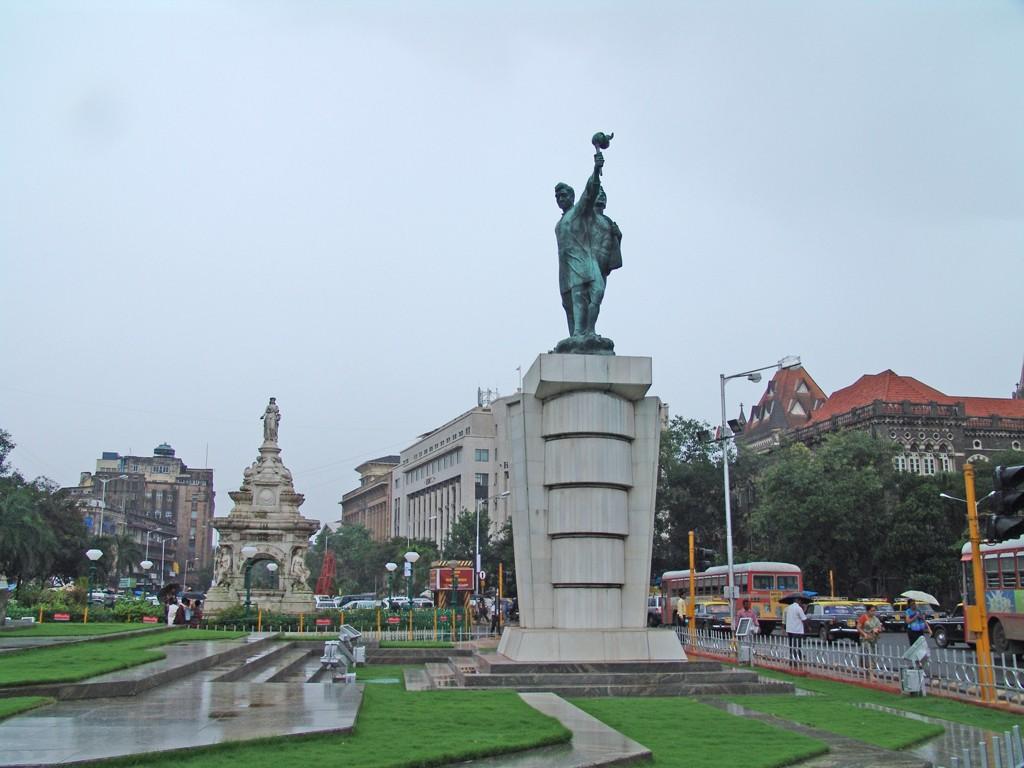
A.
x: 585, y: 451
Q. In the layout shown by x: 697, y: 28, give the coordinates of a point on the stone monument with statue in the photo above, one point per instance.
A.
x: 264, y: 530
x: 585, y: 438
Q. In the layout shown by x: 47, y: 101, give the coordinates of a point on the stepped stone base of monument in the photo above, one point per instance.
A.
x: 627, y: 678
x: 585, y: 645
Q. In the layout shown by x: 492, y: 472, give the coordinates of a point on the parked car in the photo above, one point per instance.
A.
x: 833, y: 620
x: 653, y: 611
x: 356, y: 605
x: 713, y: 615
x: 898, y: 622
x: 950, y: 630
x: 105, y: 597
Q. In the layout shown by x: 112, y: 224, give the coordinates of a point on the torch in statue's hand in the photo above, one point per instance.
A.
x: 600, y: 141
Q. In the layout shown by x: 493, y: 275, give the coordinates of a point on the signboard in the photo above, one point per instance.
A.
x: 735, y: 591
x: 394, y: 620
x: 124, y: 583
x: 442, y: 617
x: 323, y: 622
x: 441, y: 578
x: 62, y: 617
x: 150, y: 620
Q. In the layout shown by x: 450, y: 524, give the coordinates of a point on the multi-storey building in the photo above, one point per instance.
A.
x: 935, y: 432
x: 448, y: 471
x: 158, y: 501
x: 369, y: 505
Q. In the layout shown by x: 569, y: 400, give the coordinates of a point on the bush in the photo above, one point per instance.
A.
x: 134, y: 608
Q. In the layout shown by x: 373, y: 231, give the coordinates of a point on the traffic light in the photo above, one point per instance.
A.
x: 1006, y: 521
x: 705, y: 557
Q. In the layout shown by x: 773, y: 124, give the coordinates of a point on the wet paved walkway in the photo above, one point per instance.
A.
x: 180, y: 715
x: 593, y: 743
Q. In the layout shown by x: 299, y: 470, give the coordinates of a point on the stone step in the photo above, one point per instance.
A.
x: 287, y: 668
x: 680, y: 689
x: 251, y: 665
x: 523, y: 682
x: 495, y: 664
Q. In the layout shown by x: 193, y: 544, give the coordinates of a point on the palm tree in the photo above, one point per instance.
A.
x: 126, y: 554
x: 26, y: 542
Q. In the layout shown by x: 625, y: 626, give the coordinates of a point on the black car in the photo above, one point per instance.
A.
x: 831, y: 621
x: 949, y: 630
x: 714, y: 616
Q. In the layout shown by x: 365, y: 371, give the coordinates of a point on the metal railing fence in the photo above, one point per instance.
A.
x: 951, y: 671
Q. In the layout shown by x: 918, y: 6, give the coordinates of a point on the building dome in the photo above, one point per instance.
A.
x: 164, y: 450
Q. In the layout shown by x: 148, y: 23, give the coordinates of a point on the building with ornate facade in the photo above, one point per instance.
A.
x: 370, y: 504
x: 935, y: 432
x: 159, y: 501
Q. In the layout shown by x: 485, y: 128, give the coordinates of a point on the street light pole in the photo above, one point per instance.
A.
x: 103, y: 499
x: 163, y: 570
x: 754, y: 375
x: 93, y: 555
x: 477, y: 569
x: 390, y: 568
x: 247, y: 553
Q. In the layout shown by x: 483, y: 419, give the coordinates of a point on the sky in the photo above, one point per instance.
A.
x: 350, y: 206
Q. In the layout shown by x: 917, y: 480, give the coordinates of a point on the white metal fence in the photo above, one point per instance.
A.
x: 1004, y: 752
x: 947, y: 670
x: 443, y: 633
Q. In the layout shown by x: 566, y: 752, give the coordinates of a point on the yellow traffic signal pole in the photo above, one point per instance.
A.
x: 976, y: 615
x: 690, y: 605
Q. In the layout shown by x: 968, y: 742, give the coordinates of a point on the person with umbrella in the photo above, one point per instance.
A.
x: 916, y: 625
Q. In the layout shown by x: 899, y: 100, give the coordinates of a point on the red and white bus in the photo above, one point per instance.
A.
x: 762, y: 583
x: 1003, y: 564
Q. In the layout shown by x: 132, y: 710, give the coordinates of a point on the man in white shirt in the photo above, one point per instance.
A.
x: 795, y: 618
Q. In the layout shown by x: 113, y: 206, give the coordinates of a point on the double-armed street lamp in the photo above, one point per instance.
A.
x: 754, y: 375
x: 163, y: 568
x: 410, y: 560
x: 103, y: 499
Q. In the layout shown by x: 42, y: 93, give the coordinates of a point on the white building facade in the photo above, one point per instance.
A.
x: 448, y: 471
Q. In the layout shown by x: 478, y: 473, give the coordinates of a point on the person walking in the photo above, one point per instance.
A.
x: 172, y: 611
x: 916, y: 625
x: 746, y: 612
x: 795, y: 618
x: 869, y: 629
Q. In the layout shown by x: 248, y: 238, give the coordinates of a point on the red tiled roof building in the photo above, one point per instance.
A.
x: 788, y: 403
x: 937, y: 432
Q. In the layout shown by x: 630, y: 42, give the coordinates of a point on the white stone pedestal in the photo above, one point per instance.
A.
x: 585, y: 453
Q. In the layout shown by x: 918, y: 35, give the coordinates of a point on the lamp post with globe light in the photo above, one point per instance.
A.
x: 410, y: 560
x: 754, y: 375
x: 93, y: 555
x: 390, y: 568
x: 247, y: 552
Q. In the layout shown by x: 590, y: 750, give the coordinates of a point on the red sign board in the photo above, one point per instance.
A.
x: 323, y: 622
x: 441, y: 578
x: 443, y: 617
x: 150, y: 619
x: 62, y: 617
x: 394, y: 620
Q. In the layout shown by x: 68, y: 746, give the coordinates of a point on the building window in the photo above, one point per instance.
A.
x: 976, y: 444
x: 1015, y: 445
x: 482, y: 454
x: 928, y: 465
x: 900, y: 462
x: 945, y: 464
x: 915, y: 464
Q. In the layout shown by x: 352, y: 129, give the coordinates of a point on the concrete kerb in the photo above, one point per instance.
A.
x: 132, y: 686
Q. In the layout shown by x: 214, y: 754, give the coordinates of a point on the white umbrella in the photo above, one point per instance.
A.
x: 919, y: 596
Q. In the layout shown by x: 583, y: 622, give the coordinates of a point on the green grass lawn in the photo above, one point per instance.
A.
x: 53, y: 629
x: 931, y: 706
x: 685, y: 733
x: 843, y: 718
x: 68, y: 663
x: 395, y: 729
x: 16, y: 704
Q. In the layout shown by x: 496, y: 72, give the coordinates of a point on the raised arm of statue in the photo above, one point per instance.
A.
x: 593, y: 184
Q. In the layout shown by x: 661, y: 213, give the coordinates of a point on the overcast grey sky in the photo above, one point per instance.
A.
x: 350, y: 206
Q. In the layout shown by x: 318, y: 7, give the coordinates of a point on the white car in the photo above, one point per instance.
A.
x: 325, y: 603
x: 355, y: 605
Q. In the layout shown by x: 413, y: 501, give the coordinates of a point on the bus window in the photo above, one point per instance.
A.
x: 1009, y: 573
x: 991, y: 573
x: 786, y: 583
x: 763, y: 581
x: 1020, y: 569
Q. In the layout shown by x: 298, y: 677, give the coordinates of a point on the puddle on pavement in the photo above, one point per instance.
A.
x: 952, y: 743
x: 384, y: 680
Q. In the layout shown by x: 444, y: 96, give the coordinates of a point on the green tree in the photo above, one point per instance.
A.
x: 689, y: 494
x: 502, y: 551
x: 26, y: 543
